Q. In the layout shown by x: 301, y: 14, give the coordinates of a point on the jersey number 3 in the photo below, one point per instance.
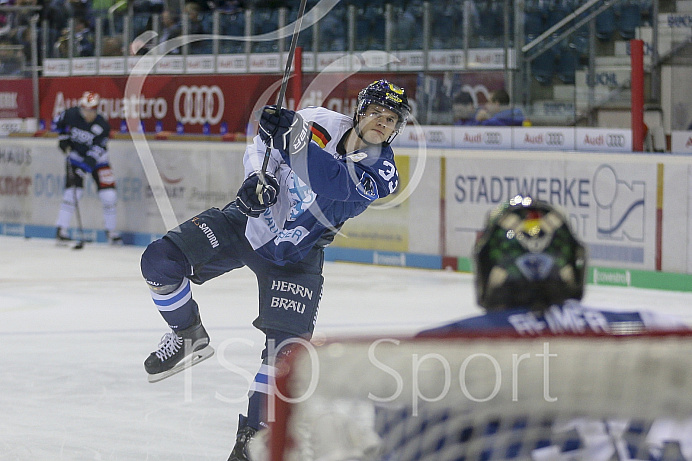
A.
x: 388, y: 174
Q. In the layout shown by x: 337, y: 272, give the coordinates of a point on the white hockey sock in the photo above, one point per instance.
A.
x: 171, y: 301
x: 264, y: 380
x: 108, y: 199
x: 67, y: 206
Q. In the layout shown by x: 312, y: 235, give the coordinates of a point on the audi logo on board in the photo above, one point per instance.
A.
x: 492, y: 137
x: 615, y: 140
x: 196, y: 105
x: 435, y: 137
x: 555, y: 139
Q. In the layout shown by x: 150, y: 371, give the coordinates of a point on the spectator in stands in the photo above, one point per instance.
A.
x: 23, y: 38
x: 170, y: 28
x: 497, y: 111
x: 464, y: 109
x: 11, y: 61
x: 112, y: 46
x: 20, y: 23
x: 57, y: 14
x: 230, y: 6
x: 205, y: 5
x: 81, y: 9
x: 333, y: 36
x: 447, y: 18
x: 195, y: 26
x: 148, y: 6
x: 407, y: 17
x: 83, y: 38
x: 60, y: 47
x: 23, y: 18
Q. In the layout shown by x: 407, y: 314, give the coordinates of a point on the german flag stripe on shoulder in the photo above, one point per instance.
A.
x: 320, y: 135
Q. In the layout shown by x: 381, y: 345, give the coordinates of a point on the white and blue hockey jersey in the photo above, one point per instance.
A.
x: 319, y: 189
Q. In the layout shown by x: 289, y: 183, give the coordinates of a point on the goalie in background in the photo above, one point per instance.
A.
x: 324, y: 168
x: 529, y: 277
x: 83, y: 137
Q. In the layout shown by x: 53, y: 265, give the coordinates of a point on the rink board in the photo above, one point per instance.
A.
x: 632, y: 210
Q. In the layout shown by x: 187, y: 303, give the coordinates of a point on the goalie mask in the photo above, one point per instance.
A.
x: 527, y: 256
x: 385, y: 94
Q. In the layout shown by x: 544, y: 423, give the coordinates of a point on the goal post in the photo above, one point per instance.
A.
x: 484, y: 397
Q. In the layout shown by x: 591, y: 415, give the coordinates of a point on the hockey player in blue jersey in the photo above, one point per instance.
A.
x: 83, y: 136
x: 324, y: 168
x: 529, y: 276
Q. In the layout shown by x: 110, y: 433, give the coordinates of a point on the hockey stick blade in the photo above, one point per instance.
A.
x: 187, y: 362
x: 80, y: 244
x: 72, y: 244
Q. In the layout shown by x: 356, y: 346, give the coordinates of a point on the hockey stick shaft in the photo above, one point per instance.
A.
x: 73, y: 182
x: 282, y: 94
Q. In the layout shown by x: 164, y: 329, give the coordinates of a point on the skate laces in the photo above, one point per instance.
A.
x: 170, y: 344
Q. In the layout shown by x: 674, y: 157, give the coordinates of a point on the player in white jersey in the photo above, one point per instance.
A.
x: 324, y: 168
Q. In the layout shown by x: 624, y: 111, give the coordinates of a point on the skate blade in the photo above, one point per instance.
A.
x: 187, y: 362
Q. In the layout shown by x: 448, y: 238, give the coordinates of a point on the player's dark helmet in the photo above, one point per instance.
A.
x: 385, y: 94
x: 527, y: 256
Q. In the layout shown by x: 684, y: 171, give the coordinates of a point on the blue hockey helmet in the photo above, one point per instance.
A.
x: 527, y: 256
x: 388, y: 95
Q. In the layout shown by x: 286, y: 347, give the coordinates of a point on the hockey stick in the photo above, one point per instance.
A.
x: 70, y: 173
x: 282, y: 92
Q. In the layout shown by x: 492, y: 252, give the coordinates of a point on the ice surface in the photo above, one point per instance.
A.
x: 76, y: 327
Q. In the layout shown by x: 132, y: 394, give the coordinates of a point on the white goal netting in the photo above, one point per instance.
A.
x: 488, y: 398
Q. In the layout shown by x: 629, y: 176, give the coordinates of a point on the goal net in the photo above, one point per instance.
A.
x: 485, y: 398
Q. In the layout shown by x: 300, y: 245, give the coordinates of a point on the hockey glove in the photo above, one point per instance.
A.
x: 284, y: 130
x: 248, y: 201
x: 83, y: 166
x: 65, y: 145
